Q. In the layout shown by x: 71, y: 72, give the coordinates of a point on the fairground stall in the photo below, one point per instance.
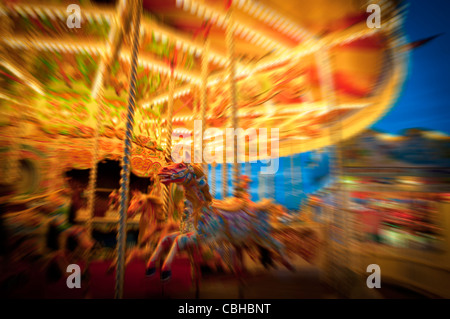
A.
x: 131, y: 83
x: 397, y: 192
x: 394, y: 209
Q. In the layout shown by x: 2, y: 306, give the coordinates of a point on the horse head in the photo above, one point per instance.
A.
x: 137, y: 203
x: 179, y: 173
x: 191, y: 177
x: 113, y: 198
x: 143, y: 202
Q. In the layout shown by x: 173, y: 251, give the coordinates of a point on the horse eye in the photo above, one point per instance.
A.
x: 180, y: 166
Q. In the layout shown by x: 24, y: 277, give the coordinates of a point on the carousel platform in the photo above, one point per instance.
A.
x: 99, y: 283
x: 259, y: 283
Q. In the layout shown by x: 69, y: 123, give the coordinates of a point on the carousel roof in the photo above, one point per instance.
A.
x: 312, y: 69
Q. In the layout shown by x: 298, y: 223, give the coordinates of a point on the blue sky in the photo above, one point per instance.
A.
x: 425, y: 99
x: 289, y: 185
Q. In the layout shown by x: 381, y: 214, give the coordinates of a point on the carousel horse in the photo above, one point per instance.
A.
x: 23, y: 247
x: 233, y: 222
x: 152, y: 223
x: 275, y: 211
x: 66, y: 243
x: 41, y: 237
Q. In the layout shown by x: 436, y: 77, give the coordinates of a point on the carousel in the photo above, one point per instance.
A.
x: 152, y: 86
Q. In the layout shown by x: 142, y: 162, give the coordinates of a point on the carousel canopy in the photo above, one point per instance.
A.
x: 312, y: 69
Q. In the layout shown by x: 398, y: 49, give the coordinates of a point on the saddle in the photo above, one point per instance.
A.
x: 232, y: 205
x: 229, y: 204
x: 264, y: 204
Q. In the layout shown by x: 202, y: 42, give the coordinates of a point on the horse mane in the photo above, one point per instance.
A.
x: 158, y: 213
x: 155, y: 198
x: 198, y: 172
x: 156, y: 187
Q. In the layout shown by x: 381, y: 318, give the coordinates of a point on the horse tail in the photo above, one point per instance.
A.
x: 265, y: 257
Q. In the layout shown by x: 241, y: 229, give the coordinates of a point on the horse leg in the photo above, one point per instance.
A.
x: 163, y: 244
x: 279, y: 248
x: 239, y: 269
x: 195, y: 256
x: 239, y: 261
x: 112, y: 266
x: 130, y: 256
x: 56, y: 266
x: 134, y: 254
x: 180, y: 243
